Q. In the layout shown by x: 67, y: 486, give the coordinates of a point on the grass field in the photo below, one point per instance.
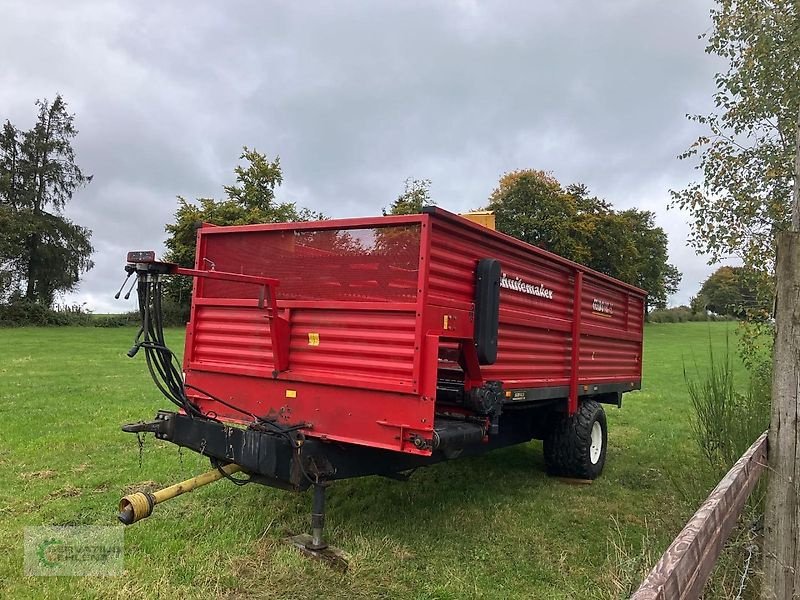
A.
x: 494, y: 526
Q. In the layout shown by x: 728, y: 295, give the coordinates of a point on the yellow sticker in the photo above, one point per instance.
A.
x: 313, y: 339
x: 446, y: 319
x: 291, y: 393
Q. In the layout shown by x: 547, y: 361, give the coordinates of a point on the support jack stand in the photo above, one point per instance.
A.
x: 314, y: 545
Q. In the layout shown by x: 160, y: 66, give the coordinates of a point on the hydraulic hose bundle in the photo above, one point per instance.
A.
x: 161, y: 361
x: 165, y: 368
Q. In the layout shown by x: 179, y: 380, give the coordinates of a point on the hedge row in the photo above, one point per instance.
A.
x: 19, y: 314
x: 22, y: 314
x: 682, y: 314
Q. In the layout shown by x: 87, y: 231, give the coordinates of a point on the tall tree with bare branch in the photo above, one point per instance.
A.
x: 748, y: 204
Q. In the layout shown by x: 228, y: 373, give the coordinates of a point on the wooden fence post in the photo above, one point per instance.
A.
x: 782, y: 517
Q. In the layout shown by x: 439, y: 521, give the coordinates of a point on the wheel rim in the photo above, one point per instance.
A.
x: 597, y: 443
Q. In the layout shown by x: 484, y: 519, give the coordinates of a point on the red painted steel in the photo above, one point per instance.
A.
x: 279, y: 327
x: 575, y: 334
x: 370, y: 309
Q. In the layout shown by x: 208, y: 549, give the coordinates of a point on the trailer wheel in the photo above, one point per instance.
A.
x: 576, y: 446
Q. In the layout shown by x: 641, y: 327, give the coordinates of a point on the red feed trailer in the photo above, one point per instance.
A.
x: 334, y: 349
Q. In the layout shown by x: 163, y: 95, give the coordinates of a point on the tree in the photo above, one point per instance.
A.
x: 255, y: 186
x: 415, y: 197
x: 533, y: 206
x: 646, y: 264
x: 746, y: 158
x: 250, y: 200
x: 748, y: 204
x: 734, y: 292
x: 42, y: 252
x: 11, y: 241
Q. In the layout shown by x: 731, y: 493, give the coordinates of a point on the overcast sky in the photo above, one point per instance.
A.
x: 357, y: 96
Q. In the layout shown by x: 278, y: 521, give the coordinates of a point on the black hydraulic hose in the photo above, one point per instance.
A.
x: 154, y: 355
x: 165, y: 375
x: 161, y: 363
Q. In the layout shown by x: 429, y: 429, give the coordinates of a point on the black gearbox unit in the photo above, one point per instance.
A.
x: 486, y: 399
x: 487, y: 309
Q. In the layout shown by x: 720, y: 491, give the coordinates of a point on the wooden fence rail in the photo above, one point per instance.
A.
x: 683, y: 570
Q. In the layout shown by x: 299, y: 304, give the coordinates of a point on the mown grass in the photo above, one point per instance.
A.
x: 494, y: 526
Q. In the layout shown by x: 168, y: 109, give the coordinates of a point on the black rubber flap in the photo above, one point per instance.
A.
x: 487, y: 309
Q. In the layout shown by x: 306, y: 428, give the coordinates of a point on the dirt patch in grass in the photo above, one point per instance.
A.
x: 46, y: 474
x: 142, y: 486
x: 68, y: 491
x: 101, y: 487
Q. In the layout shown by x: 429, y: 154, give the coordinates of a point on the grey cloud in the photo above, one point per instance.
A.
x: 357, y: 96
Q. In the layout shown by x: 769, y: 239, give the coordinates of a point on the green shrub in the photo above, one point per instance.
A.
x: 21, y: 313
x: 725, y: 424
x: 175, y: 314
x: 117, y: 320
x: 726, y: 421
x: 682, y: 314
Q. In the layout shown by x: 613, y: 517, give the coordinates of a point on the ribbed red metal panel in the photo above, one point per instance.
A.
x: 533, y: 342
x: 227, y: 336
x: 370, y: 348
x: 536, y: 308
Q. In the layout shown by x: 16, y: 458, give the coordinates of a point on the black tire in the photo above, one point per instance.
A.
x: 569, y: 448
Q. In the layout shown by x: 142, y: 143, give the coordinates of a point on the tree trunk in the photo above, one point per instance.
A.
x: 33, y: 293
x: 32, y: 249
x: 782, y: 518
x: 796, y: 187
